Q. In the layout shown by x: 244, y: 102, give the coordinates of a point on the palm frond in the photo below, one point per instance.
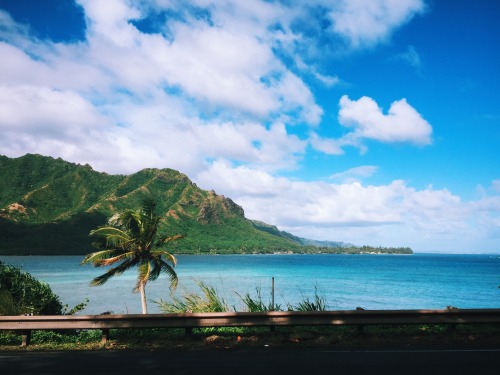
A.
x: 168, y: 270
x: 97, y: 257
x: 100, y: 280
x: 155, y: 271
x: 111, y: 237
x: 108, y: 231
x: 132, y: 221
x: 118, y: 270
x: 151, y: 228
x: 118, y: 258
x: 167, y: 239
x: 149, y: 207
x: 169, y: 258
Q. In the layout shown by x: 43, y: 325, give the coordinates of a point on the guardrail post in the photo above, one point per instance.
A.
x: 105, y: 336
x: 26, y: 337
x: 361, y: 329
x: 272, y: 294
x: 452, y: 326
x: 188, y: 333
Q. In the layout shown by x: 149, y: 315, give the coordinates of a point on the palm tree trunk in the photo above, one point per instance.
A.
x: 142, y: 288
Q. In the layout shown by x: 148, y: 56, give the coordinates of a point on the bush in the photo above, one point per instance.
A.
x: 21, y: 293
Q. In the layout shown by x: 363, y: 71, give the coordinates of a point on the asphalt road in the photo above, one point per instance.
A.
x: 252, y: 361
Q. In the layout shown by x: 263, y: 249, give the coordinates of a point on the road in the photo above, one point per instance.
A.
x: 252, y: 361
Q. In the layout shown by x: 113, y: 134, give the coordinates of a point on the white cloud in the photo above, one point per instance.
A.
x: 245, y: 181
x: 43, y: 110
x: 14, y: 32
x: 328, y: 81
x: 224, y: 65
x: 355, y: 174
x: 327, y: 146
x: 217, y: 70
x: 109, y: 20
x: 495, y: 186
x: 290, y: 204
x: 385, y: 215
x: 364, y: 23
x: 223, y: 68
x: 401, y: 124
x: 195, y: 94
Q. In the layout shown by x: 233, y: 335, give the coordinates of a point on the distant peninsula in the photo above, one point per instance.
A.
x: 48, y: 206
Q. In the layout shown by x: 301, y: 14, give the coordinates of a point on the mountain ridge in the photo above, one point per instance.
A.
x: 48, y: 206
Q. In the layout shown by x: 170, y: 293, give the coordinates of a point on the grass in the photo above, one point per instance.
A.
x: 210, y: 300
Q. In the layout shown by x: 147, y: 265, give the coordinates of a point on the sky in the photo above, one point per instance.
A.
x: 373, y: 122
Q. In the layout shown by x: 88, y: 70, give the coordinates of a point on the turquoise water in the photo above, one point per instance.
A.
x: 419, y: 281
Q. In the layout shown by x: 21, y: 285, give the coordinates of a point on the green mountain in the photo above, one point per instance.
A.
x: 48, y: 206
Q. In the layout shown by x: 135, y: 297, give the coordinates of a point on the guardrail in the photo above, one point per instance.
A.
x: 360, y: 318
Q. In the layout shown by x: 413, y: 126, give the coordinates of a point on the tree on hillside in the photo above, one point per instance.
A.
x: 131, y: 240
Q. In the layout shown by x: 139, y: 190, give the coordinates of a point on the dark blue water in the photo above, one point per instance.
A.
x: 420, y: 281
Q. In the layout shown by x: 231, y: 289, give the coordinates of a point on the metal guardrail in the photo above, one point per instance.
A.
x: 26, y: 324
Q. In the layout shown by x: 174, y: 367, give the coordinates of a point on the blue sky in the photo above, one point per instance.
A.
x: 366, y: 121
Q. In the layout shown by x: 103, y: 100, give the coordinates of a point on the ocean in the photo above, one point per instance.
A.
x: 419, y: 281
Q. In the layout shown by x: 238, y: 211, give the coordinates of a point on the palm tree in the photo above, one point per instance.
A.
x: 130, y: 240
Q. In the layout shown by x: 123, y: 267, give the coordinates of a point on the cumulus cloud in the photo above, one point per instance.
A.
x: 210, y: 76
x: 223, y: 69
x: 327, y: 145
x: 213, y: 89
x: 289, y: 203
x: 378, y: 19
x: 353, y: 212
x: 49, y: 108
x: 401, y: 124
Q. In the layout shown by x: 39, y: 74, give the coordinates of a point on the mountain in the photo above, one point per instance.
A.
x: 48, y: 206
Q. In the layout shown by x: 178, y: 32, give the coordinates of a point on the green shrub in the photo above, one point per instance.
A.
x: 21, y: 293
x: 9, y: 338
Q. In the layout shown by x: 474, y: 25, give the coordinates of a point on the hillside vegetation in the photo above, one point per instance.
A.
x: 48, y: 206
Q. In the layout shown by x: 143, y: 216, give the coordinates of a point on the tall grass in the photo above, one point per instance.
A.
x: 317, y: 304
x: 256, y: 304
x: 210, y: 301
